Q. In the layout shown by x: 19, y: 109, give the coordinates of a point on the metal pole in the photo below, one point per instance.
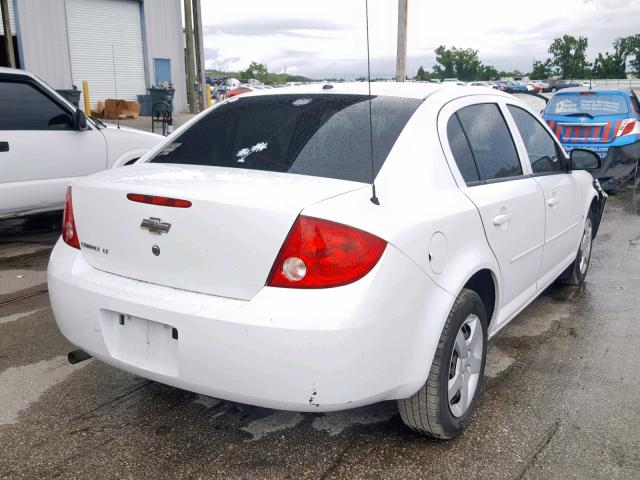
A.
x: 201, y: 74
x: 8, y: 35
x: 401, y: 58
x: 188, y: 31
x: 87, y: 100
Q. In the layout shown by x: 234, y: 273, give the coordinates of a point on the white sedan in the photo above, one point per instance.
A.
x: 46, y: 143
x: 248, y: 258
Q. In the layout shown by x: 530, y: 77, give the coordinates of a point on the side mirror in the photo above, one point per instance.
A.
x: 79, y: 120
x: 582, y: 159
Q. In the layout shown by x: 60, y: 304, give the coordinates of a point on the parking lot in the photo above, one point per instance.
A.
x: 560, y: 398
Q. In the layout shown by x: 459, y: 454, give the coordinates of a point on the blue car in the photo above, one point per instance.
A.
x: 606, y: 121
x: 513, y: 87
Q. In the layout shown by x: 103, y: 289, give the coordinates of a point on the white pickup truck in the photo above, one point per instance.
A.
x: 46, y: 143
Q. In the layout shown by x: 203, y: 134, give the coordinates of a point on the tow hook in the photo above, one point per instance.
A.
x: 77, y: 356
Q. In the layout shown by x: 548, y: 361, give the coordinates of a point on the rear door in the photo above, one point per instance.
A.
x: 40, y: 151
x: 561, y: 194
x: 510, y: 203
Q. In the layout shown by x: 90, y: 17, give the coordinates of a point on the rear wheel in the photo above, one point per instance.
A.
x: 577, y: 271
x: 442, y: 408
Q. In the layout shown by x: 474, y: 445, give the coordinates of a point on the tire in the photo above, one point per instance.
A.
x: 430, y: 411
x: 577, y: 271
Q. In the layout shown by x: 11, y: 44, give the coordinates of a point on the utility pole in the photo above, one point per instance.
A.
x: 401, y: 57
x: 188, y: 31
x: 8, y: 35
x: 201, y: 74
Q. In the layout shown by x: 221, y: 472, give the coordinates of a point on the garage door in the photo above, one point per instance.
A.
x: 12, y: 20
x: 101, y: 33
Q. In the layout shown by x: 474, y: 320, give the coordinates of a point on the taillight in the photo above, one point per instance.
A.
x: 69, y: 232
x: 628, y: 127
x: 321, y: 254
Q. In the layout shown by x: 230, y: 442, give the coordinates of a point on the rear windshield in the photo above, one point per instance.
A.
x: 593, y: 104
x: 320, y: 135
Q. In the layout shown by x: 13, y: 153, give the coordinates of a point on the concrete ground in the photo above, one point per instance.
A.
x: 560, y: 399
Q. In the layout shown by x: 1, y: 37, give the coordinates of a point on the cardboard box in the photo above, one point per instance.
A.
x: 112, y: 109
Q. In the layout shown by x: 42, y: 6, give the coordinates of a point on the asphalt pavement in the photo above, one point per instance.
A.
x: 560, y: 400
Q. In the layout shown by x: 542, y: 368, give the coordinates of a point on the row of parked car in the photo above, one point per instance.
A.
x: 542, y: 86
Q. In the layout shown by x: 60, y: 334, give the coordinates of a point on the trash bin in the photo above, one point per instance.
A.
x: 145, y: 105
x: 72, y: 96
x: 161, y: 94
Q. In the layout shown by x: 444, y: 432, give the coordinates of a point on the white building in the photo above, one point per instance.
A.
x: 67, y: 41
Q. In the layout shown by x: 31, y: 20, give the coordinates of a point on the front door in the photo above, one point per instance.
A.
x: 162, y: 67
x: 561, y: 195
x: 40, y: 151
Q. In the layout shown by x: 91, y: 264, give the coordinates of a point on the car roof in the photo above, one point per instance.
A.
x: 417, y: 90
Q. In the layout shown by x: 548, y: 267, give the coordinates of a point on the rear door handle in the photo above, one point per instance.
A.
x: 501, y: 219
x: 553, y: 202
x: 4, y: 146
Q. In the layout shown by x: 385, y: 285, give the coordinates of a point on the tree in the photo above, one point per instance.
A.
x: 541, y: 70
x: 463, y: 64
x: 630, y: 46
x: 488, y: 72
x: 423, y: 76
x: 257, y: 71
x: 568, y: 55
x: 609, y: 66
x: 446, y: 59
x: 467, y: 64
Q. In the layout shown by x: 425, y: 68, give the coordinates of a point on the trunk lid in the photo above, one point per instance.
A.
x: 224, y: 244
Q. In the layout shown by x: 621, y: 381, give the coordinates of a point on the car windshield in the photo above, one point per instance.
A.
x: 592, y: 104
x: 324, y: 135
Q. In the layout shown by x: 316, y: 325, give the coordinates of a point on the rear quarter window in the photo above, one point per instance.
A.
x: 326, y: 135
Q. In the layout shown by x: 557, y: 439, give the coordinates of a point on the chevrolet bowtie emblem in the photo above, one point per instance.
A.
x: 155, y: 225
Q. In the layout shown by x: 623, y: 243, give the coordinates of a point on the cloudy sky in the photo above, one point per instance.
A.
x: 326, y: 38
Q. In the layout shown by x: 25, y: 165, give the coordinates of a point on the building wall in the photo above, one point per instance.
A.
x: 42, y: 40
x: 44, y: 49
x: 165, y: 39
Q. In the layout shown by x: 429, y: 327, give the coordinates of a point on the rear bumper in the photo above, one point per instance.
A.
x: 303, y: 350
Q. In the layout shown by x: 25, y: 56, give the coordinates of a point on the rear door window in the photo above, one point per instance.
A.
x: 541, y: 148
x: 589, y: 103
x: 326, y: 135
x: 490, y: 140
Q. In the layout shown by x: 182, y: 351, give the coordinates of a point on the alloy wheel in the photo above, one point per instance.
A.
x: 464, y: 366
x: 585, y: 247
